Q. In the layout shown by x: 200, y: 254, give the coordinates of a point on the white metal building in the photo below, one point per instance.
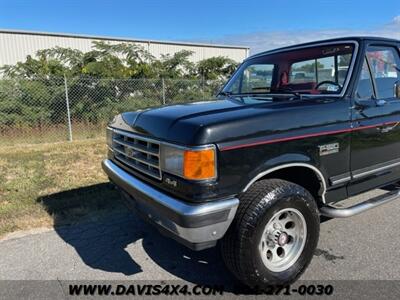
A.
x: 16, y: 45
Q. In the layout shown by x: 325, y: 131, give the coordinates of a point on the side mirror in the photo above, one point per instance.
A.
x: 397, y: 89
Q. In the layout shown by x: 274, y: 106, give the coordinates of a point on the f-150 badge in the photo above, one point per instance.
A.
x: 328, y: 149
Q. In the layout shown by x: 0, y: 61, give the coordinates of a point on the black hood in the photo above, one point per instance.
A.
x: 181, y: 123
x: 204, y: 122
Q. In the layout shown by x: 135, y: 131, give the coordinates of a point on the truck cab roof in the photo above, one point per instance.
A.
x: 358, y: 39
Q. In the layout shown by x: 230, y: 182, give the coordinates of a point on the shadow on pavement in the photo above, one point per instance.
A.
x: 103, y: 241
x: 85, y: 219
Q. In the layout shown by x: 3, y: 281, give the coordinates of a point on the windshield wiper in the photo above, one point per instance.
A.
x: 228, y: 94
x: 286, y: 94
x: 292, y: 95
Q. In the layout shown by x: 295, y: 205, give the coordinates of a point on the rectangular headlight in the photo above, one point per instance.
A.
x: 172, y: 160
x: 190, y: 163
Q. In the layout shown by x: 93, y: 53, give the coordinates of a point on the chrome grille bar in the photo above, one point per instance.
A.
x: 138, y: 153
x: 150, y: 162
x: 136, y: 147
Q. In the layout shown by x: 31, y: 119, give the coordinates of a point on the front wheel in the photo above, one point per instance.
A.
x: 274, y: 234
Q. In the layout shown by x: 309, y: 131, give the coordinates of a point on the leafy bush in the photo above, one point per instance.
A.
x: 101, y: 83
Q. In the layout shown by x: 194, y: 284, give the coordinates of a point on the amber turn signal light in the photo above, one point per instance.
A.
x: 199, y: 164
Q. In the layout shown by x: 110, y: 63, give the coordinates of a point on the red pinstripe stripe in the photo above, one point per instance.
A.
x: 298, y: 137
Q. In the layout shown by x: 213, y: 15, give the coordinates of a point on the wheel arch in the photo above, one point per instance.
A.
x: 290, y: 171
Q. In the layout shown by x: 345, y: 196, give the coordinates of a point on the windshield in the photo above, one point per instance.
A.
x: 312, y: 70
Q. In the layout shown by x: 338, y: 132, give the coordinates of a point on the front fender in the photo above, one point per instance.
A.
x: 271, y: 164
x: 240, y: 170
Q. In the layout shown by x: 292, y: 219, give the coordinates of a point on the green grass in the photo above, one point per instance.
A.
x: 54, y: 184
x: 50, y: 134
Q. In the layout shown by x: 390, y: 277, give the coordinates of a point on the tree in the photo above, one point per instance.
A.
x: 123, y: 60
x: 36, y: 93
x: 216, y: 67
x: 174, y: 66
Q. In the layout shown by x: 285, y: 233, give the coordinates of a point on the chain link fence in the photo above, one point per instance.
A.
x: 62, y: 109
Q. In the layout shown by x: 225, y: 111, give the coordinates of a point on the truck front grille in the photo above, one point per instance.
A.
x: 137, y: 153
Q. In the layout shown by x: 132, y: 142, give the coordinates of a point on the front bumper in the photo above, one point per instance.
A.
x: 197, y: 226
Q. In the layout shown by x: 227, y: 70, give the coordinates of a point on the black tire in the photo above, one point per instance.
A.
x: 240, y: 245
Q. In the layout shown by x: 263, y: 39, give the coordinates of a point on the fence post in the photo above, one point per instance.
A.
x: 68, y: 111
x: 163, y: 91
x: 203, y: 87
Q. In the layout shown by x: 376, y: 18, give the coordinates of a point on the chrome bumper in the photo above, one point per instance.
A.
x: 197, y: 226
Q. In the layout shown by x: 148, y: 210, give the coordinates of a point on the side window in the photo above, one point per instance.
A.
x: 385, y: 69
x: 326, y: 69
x: 343, y: 66
x: 330, y: 70
x: 303, y: 71
x: 364, y: 88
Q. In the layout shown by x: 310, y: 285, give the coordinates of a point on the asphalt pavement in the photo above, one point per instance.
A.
x: 123, y: 247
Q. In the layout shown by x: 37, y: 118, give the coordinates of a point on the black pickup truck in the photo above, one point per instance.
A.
x: 294, y: 131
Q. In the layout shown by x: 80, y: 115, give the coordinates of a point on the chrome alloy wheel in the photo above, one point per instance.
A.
x: 283, y: 240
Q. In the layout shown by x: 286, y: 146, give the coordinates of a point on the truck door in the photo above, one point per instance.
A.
x: 375, y: 141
